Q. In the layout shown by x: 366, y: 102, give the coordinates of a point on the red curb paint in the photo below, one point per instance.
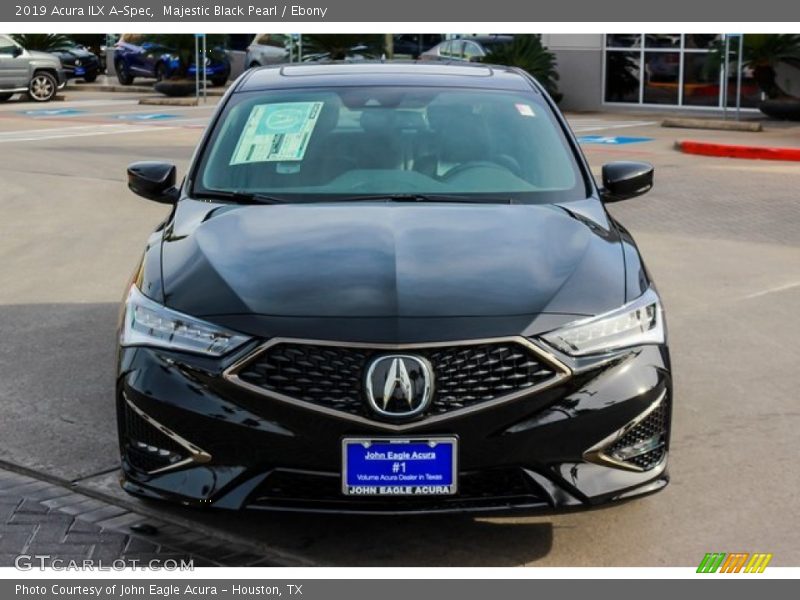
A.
x: 733, y: 151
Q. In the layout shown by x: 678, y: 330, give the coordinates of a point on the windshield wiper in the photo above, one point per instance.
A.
x: 256, y: 198
x: 239, y: 197
x: 425, y: 198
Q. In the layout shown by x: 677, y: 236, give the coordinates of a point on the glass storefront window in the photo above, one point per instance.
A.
x: 701, y: 40
x: 673, y: 70
x: 661, y: 77
x: 622, y: 76
x: 751, y: 93
x: 624, y: 40
x: 662, y: 40
x: 701, y: 80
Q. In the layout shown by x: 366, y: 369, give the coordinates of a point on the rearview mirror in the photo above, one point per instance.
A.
x: 16, y: 51
x: 623, y: 180
x: 154, y: 181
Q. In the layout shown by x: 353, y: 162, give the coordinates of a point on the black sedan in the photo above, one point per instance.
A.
x: 391, y: 288
x: 78, y: 61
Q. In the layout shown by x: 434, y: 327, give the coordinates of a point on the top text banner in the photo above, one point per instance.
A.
x: 473, y: 11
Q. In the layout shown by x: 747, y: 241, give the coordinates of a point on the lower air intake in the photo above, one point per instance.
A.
x: 645, y: 444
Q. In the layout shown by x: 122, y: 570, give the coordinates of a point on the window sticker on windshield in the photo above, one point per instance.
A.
x: 525, y: 110
x: 277, y: 132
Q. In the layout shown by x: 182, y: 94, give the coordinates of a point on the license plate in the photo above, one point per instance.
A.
x: 399, y: 467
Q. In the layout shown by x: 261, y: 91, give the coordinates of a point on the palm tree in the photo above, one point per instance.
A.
x: 528, y: 53
x: 622, y: 76
x: 44, y: 42
x: 763, y: 52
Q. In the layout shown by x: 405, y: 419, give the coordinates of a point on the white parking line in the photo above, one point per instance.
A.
x: 36, y: 135
x: 26, y: 106
x: 580, y: 125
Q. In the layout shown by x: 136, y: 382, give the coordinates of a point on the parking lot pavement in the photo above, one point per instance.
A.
x: 42, y: 519
x: 720, y: 236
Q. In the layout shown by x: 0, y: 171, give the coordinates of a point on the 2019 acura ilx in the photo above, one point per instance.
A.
x: 391, y: 288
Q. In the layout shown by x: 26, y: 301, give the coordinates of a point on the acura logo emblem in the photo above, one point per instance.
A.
x: 399, y: 385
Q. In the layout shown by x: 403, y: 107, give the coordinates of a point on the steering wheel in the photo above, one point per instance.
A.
x: 474, y: 164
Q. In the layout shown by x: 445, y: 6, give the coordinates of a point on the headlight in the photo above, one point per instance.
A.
x: 638, y: 322
x: 148, y: 323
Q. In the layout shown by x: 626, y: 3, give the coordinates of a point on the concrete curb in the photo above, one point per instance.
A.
x: 132, y: 89
x: 738, y: 151
x: 713, y: 124
x: 166, y: 101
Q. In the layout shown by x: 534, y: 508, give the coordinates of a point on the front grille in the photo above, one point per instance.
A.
x: 333, y: 376
x: 147, y: 449
x: 653, y: 427
x: 494, y: 487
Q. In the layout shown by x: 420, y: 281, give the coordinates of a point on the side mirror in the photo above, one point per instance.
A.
x: 623, y: 180
x: 16, y: 51
x: 154, y: 181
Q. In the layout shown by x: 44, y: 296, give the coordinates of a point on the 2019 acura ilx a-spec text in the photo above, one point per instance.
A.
x: 391, y: 288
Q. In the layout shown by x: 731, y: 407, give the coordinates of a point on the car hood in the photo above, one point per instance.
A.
x: 75, y: 52
x: 388, y: 260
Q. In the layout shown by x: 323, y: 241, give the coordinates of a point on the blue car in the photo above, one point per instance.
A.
x: 137, y: 55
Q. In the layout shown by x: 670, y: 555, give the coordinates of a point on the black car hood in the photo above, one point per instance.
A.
x: 395, y: 260
x: 73, y: 53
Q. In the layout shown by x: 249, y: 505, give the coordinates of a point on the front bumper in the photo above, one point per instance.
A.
x: 234, y: 448
x: 88, y: 69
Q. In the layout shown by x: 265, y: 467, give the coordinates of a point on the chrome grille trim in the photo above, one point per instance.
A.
x: 561, y: 370
x: 597, y: 453
x: 196, y: 455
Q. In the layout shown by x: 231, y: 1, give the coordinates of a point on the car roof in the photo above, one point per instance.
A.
x: 507, y: 39
x: 401, y: 73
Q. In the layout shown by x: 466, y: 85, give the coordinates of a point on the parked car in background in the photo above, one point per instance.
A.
x: 78, y: 61
x: 355, y: 54
x: 267, y: 49
x: 138, y: 55
x: 470, y: 49
x: 414, y: 44
x: 38, y: 74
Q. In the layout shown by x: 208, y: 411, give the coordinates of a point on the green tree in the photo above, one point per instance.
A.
x: 44, y: 42
x: 528, y: 53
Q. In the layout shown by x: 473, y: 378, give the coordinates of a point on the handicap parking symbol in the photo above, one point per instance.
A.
x: 53, y: 112
x: 145, y: 117
x: 611, y: 140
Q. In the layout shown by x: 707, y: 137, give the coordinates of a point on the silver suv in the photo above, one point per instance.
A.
x: 38, y: 74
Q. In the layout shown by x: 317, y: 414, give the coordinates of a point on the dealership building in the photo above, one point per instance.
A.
x: 654, y: 71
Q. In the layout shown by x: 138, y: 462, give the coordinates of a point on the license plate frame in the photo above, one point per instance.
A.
x: 424, y: 483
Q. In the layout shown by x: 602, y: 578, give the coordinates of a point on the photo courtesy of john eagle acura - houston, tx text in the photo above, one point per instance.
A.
x: 390, y: 288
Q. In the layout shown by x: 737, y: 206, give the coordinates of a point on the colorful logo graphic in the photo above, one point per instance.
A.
x: 736, y: 562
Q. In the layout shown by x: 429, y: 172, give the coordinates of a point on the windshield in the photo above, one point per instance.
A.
x: 328, y: 144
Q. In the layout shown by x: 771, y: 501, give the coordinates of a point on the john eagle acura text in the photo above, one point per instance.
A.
x: 391, y: 287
